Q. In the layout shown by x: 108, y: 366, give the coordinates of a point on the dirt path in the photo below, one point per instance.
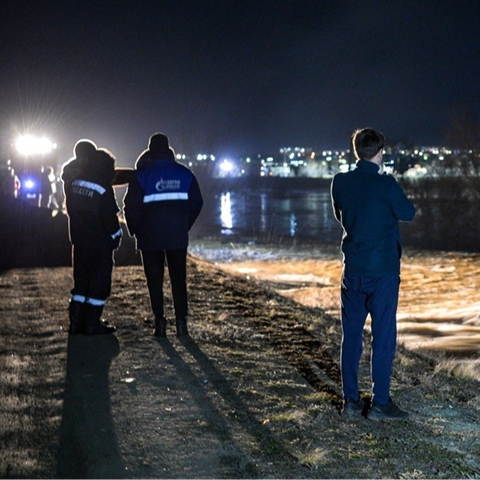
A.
x: 253, y: 394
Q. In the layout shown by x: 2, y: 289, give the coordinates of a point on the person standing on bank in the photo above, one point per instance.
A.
x: 369, y: 206
x: 163, y: 202
x: 94, y: 233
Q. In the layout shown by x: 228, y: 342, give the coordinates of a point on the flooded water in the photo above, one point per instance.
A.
x: 439, y: 303
x: 269, y: 215
x: 300, y: 211
x: 289, y: 236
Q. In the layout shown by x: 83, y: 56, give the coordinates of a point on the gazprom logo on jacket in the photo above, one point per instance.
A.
x: 167, y: 185
x: 166, y: 190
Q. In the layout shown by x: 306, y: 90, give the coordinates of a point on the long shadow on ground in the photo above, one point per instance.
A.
x: 88, y: 446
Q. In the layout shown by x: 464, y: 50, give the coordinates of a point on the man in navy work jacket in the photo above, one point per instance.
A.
x: 162, y: 204
x: 369, y: 206
x: 94, y: 232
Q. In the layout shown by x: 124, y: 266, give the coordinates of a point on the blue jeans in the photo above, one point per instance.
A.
x: 378, y: 297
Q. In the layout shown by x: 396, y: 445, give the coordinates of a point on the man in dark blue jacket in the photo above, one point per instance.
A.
x: 94, y: 233
x: 369, y: 206
x: 162, y: 204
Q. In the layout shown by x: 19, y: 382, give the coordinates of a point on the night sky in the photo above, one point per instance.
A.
x: 235, y: 76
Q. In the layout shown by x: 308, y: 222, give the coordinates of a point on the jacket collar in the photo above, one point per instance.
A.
x: 368, y: 166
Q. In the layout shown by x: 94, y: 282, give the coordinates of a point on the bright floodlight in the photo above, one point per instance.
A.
x: 30, y: 145
x: 226, y: 166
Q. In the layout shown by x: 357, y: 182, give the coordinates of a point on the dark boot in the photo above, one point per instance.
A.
x: 182, y: 330
x: 76, y: 312
x: 94, y: 324
x: 160, y: 327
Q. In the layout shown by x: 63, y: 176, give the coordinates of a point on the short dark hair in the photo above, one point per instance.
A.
x: 367, y: 142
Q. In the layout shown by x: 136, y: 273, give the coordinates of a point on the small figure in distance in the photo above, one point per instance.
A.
x: 369, y: 207
x: 94, y: 233
x: 162, y: 204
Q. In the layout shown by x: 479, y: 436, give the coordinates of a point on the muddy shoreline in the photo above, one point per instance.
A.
x: 255, y: 393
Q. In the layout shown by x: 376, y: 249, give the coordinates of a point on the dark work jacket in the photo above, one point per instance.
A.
x: 91, y: 205
x: 162, y: 204
x: 369, y: 206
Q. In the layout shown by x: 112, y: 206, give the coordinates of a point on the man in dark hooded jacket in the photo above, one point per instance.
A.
x: 94, y: 232
x: 162, y: 204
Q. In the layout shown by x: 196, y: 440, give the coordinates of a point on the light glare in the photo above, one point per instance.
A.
x: 30, y: 145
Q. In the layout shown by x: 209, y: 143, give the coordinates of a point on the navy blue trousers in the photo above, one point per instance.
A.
x: 378, y: 297
x: 92, y: 275
x: 154, y: 267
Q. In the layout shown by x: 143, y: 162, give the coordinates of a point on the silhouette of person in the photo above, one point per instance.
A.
x: 94, y: 233
x: 162, y: 203
x: 369, y: 207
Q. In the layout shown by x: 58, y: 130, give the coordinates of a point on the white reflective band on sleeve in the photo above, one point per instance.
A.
x: 117, y: 234
x: 161, y: 197
x: 90, y: 185
x: 95, y: 302
x: 78, y: 298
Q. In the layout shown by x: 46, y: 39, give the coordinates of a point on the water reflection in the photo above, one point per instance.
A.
x: 293, y: 224
x: 259, y: 212
x: 263, y: 212
x: 226, y: 217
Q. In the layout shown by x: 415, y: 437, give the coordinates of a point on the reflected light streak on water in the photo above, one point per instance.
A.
x: 226, y: 216
x: 303, y: 215
x: 293, y: 224
x: 263, y: 212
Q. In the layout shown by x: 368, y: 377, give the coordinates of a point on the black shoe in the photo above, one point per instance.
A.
x: 352, y: 408
x: 76, y: 312
x: 182, y: 330
x: 160, y: 329
x: 94, y: 324
x: 390, y: 411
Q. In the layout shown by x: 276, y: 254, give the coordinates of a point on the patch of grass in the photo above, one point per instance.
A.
x: 297, y: 416
x: 313, y: 459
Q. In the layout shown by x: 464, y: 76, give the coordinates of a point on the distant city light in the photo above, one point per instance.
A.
x: 30, y: 145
